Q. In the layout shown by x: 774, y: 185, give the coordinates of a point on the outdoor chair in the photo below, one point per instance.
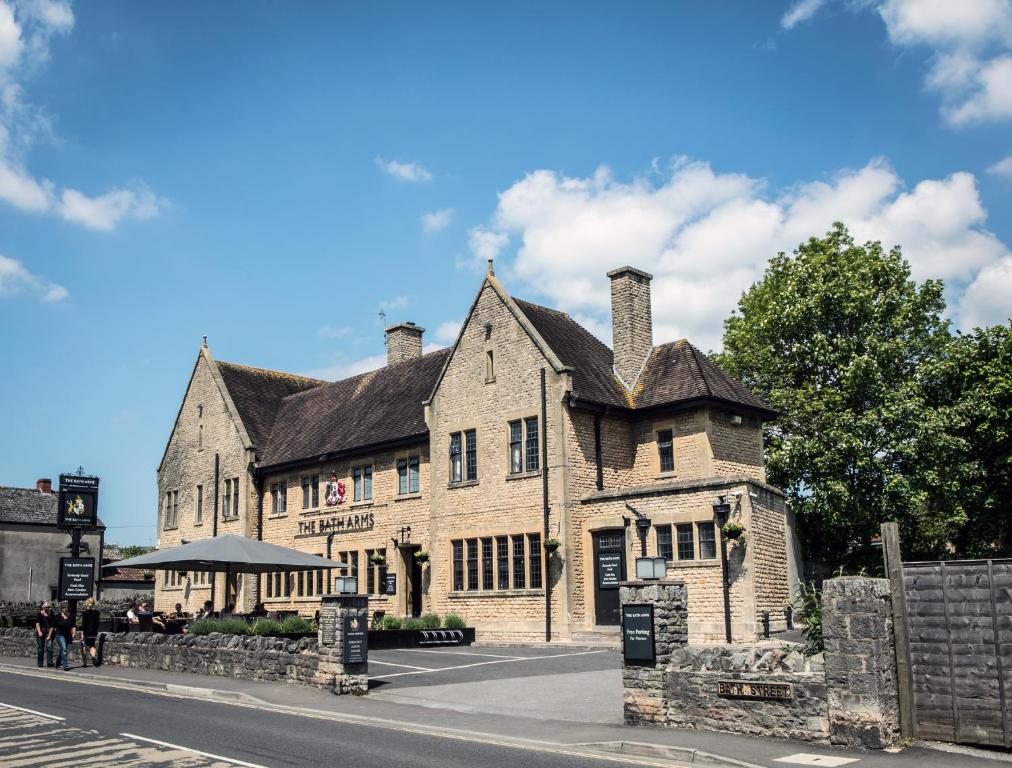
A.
x: 145, y: 624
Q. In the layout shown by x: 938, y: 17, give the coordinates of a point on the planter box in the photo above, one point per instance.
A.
x: 380, y: 639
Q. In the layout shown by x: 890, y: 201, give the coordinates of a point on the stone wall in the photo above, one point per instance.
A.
x: 857, y: 627
x: 693, y: 673
x: 268, y: 659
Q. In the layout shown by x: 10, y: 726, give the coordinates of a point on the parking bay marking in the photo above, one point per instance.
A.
x: 483, y: 663
x: 231, y: 760
x: 464, y: 653
x: 32, y: 712
x: 406, y: 666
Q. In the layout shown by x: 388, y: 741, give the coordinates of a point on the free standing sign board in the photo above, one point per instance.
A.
x: 638, y: 633
x: 78, y: 502
x: 356, y: 639
x: 77, y: 577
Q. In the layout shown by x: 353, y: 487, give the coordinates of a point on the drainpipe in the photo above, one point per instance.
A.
x: 101, y: 549
x: 214, y: 528
x: 544, y: 499
x: 597, y: 448
x: 259, y: 483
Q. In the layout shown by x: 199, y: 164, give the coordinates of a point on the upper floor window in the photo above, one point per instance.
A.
x: 362, y: 480
x: 666, y: 450
x: 463, y: 456
x: 407, y: 475
x: 707, y: 540
x: 230, y: 506
x: 524, y: 445
x: 664, y: 546
x: 198, y: 510
x: 171, y: 517
x: 311, y: 492
x: 456, y: 460
x: 686, y: 547
x: 279, y: 497
x: 489, y: 365
x: 471, y: 454
x: 235, y: 497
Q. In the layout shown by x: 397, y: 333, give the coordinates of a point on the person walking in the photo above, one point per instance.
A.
x: 65, y: 631
x: 89, y: 632
x: 43, y: 635
x: 51, y: 640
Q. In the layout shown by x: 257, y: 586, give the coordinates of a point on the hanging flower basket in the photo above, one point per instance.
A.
x: 421, y: 557
x: 732, y: 530
x: 377, y: 559
x: 552, y: 545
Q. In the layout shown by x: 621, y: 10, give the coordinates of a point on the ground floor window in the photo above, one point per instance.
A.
x: 707, y: 541
x: 498, y: 563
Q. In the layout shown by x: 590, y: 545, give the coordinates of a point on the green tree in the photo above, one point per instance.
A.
x: 834, y: 337
x: 133, y: 550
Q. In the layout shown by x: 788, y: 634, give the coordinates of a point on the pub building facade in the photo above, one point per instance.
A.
x: 439, y: 477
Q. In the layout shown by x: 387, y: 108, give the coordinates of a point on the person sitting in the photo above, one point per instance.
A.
x: 132, y: 614
x: 177, y: 612
x: 208, y: 612
x: 259, y: 611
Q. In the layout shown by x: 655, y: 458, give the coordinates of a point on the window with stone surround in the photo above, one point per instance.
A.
x: 407, y: 475
x: 351, y: 558
x: 471, y: 455
x: 516, y: 448
x: 279, y: 497
x: 518, y: 562
x: 686, y: 546
x: 487, y: 574
x: 666, y: 450
x: 170, y: 518
x: 456, y: 459
x: 531, y: 443
x: 198, y: 510
x: 361, y: 478
x: 472, y: 564
x: 534, y: 548
x: 226, y: 498
x: 524, y: 442
x: 235, y: 497
x: 489, y: 366
x: 707, y: 541
x: 491, y: 564
x: 463, y: 456
x: 502, y: 544
x: 664, y: 548
x: 458, y: 565
x: 310, y: 491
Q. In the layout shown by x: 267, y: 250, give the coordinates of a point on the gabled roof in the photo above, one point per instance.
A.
x: 257, y: 394
x: 676, y: 372
x: 382, y: 406
x: 29, y: 506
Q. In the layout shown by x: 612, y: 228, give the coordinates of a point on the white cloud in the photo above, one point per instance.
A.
x: 329, y: 332
x: 106, y: 211
x: 947, y: 23
x: 707, y: 236
x: 446, y: 332
x: 989, y: 97
x: 986, y: 301
x: 437, y: 220
x: 410, y: 172
x: 799, y: 12
x: 1002, y: 168
x: 11, y: 43
x: 342, y: 369
x: 397, y: 302
x: 16, y: 278
x: 485, y: 244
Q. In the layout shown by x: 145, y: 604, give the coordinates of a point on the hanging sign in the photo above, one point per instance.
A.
x: 638, y: 633
x: 77, y: 505
x: 77, y: 577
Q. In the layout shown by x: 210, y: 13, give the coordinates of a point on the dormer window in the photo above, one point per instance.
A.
x: 666, y: 450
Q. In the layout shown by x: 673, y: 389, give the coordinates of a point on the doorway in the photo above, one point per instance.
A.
x: 609, y: 572
x: 413, y: 588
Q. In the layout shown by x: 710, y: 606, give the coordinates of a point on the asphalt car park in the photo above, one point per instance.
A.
x: 413, y: 667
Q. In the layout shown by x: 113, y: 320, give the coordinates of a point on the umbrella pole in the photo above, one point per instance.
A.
x: 228, y: 569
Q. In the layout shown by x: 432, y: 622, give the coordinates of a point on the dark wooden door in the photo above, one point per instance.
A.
x: 609, y: 571
x: 416, y: 583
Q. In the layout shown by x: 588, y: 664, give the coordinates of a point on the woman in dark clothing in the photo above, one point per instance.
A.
x: 89, y: 628
x: 43, y: 635
x: 65, y: 631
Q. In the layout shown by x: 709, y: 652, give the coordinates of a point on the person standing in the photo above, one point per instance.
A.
x: 89, y: 630
x: 43, y: 635
x: 51, y: 640
x: 65, y: 631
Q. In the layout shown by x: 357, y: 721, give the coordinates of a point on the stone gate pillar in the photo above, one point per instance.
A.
x: 857, y: 628
x: 644, y: 694
x: 343, y: 643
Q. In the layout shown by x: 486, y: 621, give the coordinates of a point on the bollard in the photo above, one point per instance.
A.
x: 766, y: 625
x: 789, y: 616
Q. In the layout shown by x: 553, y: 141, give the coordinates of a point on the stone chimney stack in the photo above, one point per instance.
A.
x: 632, y: 330
x: 44, y: 485
x: 404, y: 342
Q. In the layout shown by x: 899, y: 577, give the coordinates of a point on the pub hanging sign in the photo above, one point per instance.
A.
x: 77, y: 502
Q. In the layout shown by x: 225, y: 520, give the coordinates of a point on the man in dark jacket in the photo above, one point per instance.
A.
x: 43, y: 636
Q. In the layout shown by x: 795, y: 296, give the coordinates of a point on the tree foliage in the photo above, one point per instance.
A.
x: 885, y: 415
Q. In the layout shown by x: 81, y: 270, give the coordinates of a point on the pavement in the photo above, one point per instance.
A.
x: 561, y: 704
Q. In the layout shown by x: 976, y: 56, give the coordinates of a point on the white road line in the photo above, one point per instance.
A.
x: 406, y: 666
x: 462, y: 653
x: 231, y: 760
x: 32, y: 711
x: 483, y: 663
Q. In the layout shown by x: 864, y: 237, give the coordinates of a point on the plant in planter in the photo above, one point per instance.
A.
x: 377, y: 559
x: 421, y: 557
x: 552, y: 545
x: 732, y: 530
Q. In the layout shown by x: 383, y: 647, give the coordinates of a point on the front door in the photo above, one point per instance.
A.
x: 416, y: 584
x: 609, y: 572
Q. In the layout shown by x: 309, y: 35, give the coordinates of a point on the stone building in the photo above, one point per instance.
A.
x: 439, y: 477
x: 31, y: 544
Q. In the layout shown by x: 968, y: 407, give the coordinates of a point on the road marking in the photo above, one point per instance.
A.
x: 829, y: 761
x: 32, y: 712
x: 507, y: 660
x: 406, y: 666
x: 462, y: 653
x: 231, y: 760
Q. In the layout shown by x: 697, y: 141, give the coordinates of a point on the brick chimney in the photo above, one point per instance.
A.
x: 631, y: 324
x: 404, y: 342
x: 44, y: 485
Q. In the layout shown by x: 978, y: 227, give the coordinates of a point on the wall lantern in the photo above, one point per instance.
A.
x: 651, y: 568
x: 346, y: 585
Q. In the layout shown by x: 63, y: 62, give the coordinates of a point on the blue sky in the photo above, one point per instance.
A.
x: 274, y: 174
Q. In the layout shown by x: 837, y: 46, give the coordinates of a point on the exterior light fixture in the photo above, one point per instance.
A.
x: 651, y: 568
x: 721, y: 511
x: 346, y: 585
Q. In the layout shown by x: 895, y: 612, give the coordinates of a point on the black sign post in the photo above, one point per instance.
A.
x: 77, y: 577
x: 356, y: 639
x: 77, y: 511
x: 638, y: 634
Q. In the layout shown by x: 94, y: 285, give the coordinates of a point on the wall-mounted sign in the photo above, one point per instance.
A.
x: 638, y: 633
x: 343, y: 524
x: 391, y: 584
x: 77, y: 577
x: 77, y: 505
x: 609, y: 570
x: 741, y: 689
x: 356, y: 639
x: 334, y: 491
